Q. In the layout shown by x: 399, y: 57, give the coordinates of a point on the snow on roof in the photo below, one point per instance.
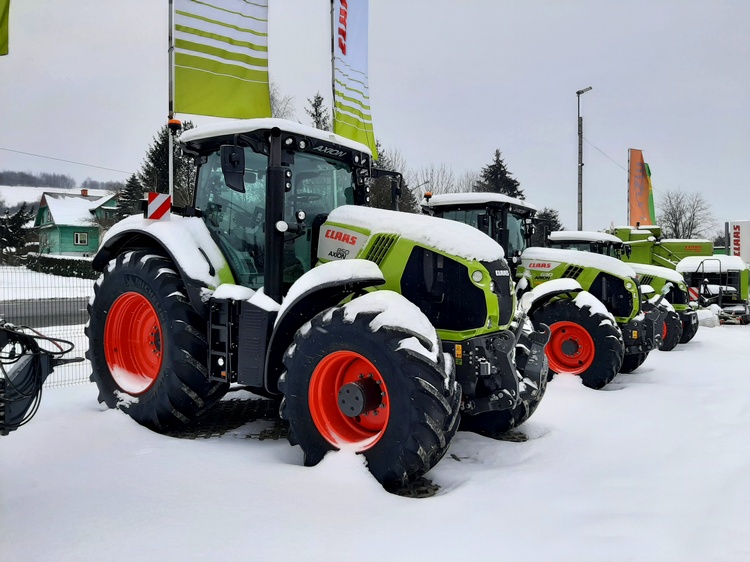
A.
x: 711, y: 264
x: 448, y: 236
x: 14, y: 195
x: 474, y: 198
x: 586, y: 259
x: 657, y: 271
x: 71, y: 210
x: 584, y: 236
x: 234, y: 126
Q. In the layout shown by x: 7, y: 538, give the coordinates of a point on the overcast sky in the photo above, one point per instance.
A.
x: 450, y: 82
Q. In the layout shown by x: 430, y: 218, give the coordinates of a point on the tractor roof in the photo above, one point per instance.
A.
x: 711, y: 264
x: 583, y: 236
x: 232, y: 127
x: 477, y: 200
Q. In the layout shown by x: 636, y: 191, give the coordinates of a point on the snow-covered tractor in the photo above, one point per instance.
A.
x: 405, y: 322
x: 681, y: 322
x: 591, y: 303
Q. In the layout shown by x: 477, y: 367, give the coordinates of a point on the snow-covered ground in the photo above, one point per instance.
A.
x: 653, y: 468
x: 19, y: 283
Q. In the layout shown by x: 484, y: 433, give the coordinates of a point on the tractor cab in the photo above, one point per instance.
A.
x: 507, y: 220
x: 259, y: 190
x: 589, y: 241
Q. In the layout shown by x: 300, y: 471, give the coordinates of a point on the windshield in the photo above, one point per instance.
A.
x: 237, y: 220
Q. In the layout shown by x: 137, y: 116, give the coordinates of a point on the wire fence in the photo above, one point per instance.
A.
x: 54, y: 306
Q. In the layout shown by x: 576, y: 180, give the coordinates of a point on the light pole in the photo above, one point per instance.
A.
x: 580, y: 158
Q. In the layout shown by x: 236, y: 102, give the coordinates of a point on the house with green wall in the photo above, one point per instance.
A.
x: 70, y: 224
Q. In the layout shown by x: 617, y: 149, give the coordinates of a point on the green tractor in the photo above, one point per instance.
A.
x: 681, y: 322
x: 717, y: 280
x: 592, y: 303
x: 405, y: 323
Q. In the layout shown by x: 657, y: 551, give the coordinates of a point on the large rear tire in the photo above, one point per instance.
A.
x: 379, y: 389
x: 672, y: 331
x: 147, y: 345
x: 582, y: 342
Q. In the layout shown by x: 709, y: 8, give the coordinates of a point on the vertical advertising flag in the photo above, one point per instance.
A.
x: 351, y: 95
x: 640, y: 197
x: 4, y: 17
x: 221, y: 58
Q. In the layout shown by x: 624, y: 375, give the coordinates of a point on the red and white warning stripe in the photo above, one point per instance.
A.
x: 159, y: 205
x: 694, y: 292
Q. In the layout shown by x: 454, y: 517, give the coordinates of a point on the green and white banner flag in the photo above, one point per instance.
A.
x: 221, y: 58
x: 4, y: 17
x: 351, y: 95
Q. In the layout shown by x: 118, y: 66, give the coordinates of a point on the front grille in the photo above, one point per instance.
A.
x: 647, y: 279
x: 612, y: 292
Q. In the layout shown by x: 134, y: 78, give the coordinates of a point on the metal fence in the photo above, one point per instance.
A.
x: 52, y: 305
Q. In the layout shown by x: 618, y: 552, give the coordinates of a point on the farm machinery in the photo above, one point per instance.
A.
x: 592, y: 303
x: 26, y: 361
x: 718, y: 280
x: 681, y: 322
x: 375, y: 331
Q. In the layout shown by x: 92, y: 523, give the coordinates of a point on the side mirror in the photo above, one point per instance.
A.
x: 233, y: 166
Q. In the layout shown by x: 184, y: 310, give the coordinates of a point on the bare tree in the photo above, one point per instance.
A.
x: 281, y: 106
x: 437, y: 178
x: 467, y: 182
x: 684, y: 215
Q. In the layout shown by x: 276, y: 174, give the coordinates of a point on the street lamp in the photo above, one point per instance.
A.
x: 580, y: 158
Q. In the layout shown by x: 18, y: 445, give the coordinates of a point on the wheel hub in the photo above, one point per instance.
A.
x: 359, y: 397
x: 570, y: 347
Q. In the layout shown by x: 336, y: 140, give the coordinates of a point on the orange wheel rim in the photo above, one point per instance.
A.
x: 664, y: 331
x: 570, y: 348
x: 133, y: 343
x: 349, y: 401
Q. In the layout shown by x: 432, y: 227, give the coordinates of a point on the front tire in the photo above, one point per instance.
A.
x: 632, y: 361
x: 147, y: 345
x: 672, y: 331
x: 689, y: 329
x: 582, y: 342
x: 371, y: 389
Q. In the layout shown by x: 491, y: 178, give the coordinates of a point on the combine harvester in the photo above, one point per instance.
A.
x: 712, y: 279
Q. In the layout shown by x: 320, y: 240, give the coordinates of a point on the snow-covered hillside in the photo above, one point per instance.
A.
x: 652, y: 468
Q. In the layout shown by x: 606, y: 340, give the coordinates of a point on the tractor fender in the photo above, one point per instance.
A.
x: 542, y: 294
x: 185, y: 240
x: 319, y: 289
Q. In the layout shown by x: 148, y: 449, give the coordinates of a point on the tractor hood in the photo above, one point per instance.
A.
x: 546, y: 259
x: 349, y: 227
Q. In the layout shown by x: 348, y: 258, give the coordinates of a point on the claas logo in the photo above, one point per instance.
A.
x: 540, y: 265
x: 341, y: 237
x: 693, y: 248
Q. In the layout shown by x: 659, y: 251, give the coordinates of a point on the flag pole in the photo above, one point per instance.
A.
x: 170, y: 156
x: 333, y: 65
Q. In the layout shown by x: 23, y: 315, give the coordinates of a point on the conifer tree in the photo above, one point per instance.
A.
x: 318, y: 113
x: 154, y: 174
x: 495, y: 178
